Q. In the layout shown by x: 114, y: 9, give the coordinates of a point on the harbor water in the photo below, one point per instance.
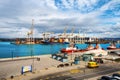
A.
x: 8, y: 50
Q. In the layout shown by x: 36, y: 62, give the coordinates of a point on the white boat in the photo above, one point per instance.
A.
x: 112, y: 46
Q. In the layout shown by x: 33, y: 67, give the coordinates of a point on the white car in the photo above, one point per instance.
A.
x: 116, y: 75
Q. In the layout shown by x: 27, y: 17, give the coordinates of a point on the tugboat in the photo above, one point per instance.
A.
x: 69, y: 49
x: 90, y: 47
x: 72, y: 48
x: 111, y: 47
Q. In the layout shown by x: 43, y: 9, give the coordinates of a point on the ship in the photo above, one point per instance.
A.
x: 69, y: 50
x: 72, y: 49
x: 90, y: 47
x: 112, y: 47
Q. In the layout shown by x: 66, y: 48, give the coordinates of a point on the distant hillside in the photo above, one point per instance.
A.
x: 115, y: 39
x: 14, y: 39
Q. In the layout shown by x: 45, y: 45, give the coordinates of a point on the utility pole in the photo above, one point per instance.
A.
x: 12, y: 55
x: 32, y: 29
x: 31, y: 44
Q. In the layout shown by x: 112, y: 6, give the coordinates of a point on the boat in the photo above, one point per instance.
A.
x: 112, y: 47
x: 72, y: 48
x: 69, y: 50
x: 66, y: 41
x: 45, y: 42
x: 90, y: 47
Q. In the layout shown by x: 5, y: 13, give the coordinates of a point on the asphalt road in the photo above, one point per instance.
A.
x: 84, y: 73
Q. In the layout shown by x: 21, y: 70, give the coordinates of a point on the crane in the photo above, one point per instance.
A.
x: 72, y: 31
x: 30, y: 33
x: 65, y: 31
x: 32, y: 29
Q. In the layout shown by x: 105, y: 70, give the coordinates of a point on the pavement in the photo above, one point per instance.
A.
x: 46, y: 66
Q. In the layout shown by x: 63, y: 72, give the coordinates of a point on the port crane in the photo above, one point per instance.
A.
x: 72, y: 31
x: 30, y: 33
x: 46, y: 35
x: 63, y: 35
x: 65, y: 31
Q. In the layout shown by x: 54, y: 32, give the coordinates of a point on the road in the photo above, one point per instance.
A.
x: 84, y: 73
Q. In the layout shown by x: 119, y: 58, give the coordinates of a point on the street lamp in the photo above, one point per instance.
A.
x: 32, y: 56
x: 12, y: 54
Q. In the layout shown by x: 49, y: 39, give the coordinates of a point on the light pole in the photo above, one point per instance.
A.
x: 85, y: 68
x: 12, y: 55
x: 32, y: 59
x: 32, y: 45
x: 71, y: 55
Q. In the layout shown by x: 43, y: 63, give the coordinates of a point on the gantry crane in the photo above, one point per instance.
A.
x: 30, y: 33
x: 72, y: 31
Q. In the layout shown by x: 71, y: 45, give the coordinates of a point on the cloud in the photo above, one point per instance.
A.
x: 88, y: 16
x: 112, y: 9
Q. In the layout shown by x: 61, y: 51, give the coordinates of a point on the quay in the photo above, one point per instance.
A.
x: 44, y: 66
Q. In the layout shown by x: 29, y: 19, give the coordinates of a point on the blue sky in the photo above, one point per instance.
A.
x: 99, y: 18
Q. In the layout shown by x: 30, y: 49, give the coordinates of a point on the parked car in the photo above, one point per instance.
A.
x: 116, y: 75
x: 92, y: 64
x: 99, y: 60
x: 108, y: 78
x: 105, y: 78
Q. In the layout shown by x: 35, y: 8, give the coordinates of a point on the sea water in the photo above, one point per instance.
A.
x: 8, y: 50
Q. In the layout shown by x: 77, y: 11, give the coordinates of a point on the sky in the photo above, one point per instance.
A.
x: 99, y: 18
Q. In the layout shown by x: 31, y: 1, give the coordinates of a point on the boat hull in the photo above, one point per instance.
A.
x: 68, y: 51
x: 113, y: 48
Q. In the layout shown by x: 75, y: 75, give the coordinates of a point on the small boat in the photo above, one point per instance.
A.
x: 66, y: 41
x: 112, y: 47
